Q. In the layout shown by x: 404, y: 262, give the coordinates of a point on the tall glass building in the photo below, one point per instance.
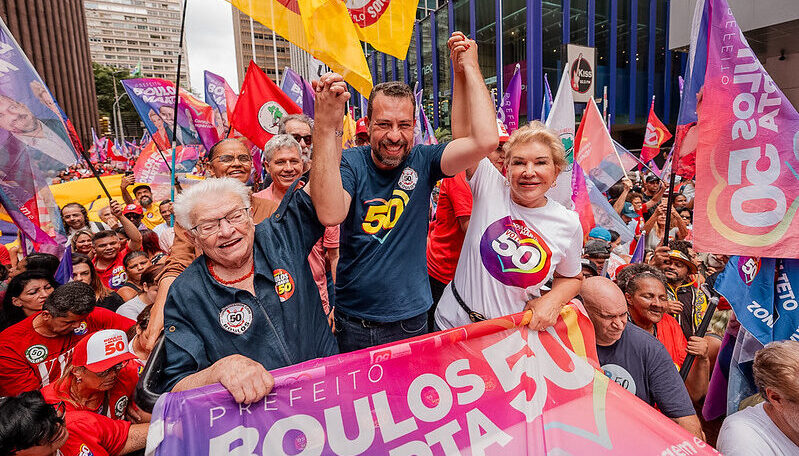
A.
x: 630, y: 36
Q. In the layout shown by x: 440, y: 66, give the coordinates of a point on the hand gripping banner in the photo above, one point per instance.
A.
x: 490, y: 388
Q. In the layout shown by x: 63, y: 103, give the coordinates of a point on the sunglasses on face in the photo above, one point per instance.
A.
x: 112, y: 370
x: 307, y: 138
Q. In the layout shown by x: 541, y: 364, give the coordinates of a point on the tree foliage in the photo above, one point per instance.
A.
x: 104, y: 79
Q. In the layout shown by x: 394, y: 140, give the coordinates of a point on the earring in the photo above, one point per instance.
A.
x: 553, y: 185
x: 78, y: 379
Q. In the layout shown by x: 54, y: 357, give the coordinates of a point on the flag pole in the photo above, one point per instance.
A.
x: 669, y: 204
x: 177, y: 99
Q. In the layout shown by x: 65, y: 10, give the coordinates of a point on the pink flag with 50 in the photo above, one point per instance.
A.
x: 747, y: 161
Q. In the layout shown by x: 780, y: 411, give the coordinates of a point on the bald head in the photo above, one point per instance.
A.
x: 606, y: 307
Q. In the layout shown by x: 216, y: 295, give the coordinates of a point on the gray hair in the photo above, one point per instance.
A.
x: 281, y: 141
x: 298, y: 117
x: 208, y: 190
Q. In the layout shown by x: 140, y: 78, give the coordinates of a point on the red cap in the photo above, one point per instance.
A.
x: 133, y: 209
x: 360, y: 126
x: 102, y: 350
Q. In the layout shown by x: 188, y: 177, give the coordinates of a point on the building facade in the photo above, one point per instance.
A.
x: 532, y: 33
x: 253, y: 41
x: 52, y: 33
x: 636, y: 56
x: 132, y: 33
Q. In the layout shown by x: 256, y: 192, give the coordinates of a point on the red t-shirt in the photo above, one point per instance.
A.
x: 5, y: 256
x: 671, y: 336
x: 118, y: 396
x: 446, y: 238
x: 30, y: 361
x: 114, y: 276
x: 93, y: 434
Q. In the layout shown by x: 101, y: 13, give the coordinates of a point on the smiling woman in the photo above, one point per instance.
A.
x: 517, y: 239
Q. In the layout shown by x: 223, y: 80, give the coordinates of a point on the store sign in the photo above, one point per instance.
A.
x: 582, y: 71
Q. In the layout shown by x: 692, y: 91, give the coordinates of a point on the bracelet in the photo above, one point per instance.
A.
x: 339, y: 133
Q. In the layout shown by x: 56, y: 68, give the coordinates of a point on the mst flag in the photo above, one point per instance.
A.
x: 747, y: 191
x: 324, y: 29
x: 656, y: 134
x: 260, y: 107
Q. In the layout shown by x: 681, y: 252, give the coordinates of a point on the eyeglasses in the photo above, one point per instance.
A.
x: 307, y: 138
x: 211, y: 227
x: 112, y: 370
x: 242, y: 158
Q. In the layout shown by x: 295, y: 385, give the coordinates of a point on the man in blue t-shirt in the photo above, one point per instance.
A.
x: 633, y: 358
x: 382, y: 290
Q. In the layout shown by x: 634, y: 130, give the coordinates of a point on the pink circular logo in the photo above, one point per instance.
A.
x: 514, y: 254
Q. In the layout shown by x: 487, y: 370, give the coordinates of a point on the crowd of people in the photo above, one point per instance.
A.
x: 338, y: 253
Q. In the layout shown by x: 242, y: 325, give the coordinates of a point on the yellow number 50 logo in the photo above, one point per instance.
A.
x: 385, y: 215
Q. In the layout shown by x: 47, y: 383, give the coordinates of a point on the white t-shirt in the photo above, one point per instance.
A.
x: 751, y: 432
x: 132, y: 308
x: 509, y: 251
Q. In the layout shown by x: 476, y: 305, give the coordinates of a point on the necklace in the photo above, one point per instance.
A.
x: 229, y: 282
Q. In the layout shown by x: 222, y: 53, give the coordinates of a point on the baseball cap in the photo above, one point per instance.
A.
x: 133, y: 208
x: 102, y: 350
x: 503, y: 132
x: 360, y: 126
x: 597, y: 249
x: 139, y: 186
x: 651, y: 178
x: 679, y: 256
x: 600, y: 233
x: 629, y: 211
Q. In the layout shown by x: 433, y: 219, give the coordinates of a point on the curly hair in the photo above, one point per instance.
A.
x: 628, y: 278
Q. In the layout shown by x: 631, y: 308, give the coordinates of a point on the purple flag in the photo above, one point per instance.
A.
x: 216, y: 89
x: 154, y: 100
x: 299, y: 90
x: 509, y: 111
x: 33, y: 149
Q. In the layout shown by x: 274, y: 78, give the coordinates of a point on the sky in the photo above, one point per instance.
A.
x: 209, y: 39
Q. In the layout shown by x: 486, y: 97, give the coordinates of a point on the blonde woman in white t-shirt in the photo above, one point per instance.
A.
x: 518, y: 239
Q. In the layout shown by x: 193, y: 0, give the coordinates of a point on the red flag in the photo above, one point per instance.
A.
x: 260, y: 107
x: 656, y: 134
x: 684, y: 159
x: 592, y: 142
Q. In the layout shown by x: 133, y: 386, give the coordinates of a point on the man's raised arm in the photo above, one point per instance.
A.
x: 330, y: 199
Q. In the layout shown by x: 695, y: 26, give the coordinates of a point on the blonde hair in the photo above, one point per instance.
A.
x: 535, y: 131
x: 776, y: 366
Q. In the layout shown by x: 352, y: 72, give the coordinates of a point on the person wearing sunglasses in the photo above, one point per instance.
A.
x: 300, y: 127
x: 29, y: 426
x: 100, y: 379
x: 227, y: 158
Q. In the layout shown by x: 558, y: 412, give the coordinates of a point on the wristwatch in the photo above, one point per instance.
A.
x: 339, y: 133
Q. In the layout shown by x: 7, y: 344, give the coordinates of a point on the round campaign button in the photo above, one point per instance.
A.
x: 235, y: 318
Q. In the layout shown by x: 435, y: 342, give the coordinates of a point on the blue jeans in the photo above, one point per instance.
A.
x: 355, y: 333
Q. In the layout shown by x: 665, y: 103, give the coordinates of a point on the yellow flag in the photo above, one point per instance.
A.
x: 385, y: 24
x: 348, y: 139
x: 332, y: 38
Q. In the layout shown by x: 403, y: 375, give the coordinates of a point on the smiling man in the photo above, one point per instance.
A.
x: 227, y: 158
x: 684, y: 291
x: 382, y: 198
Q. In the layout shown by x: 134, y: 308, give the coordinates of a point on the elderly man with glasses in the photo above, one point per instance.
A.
x: 227, y: 158
x: 249, y: 304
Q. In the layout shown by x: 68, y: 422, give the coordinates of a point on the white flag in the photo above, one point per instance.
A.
x: 561, y: 121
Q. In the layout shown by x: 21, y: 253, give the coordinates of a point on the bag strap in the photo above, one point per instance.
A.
x: 474, y: 316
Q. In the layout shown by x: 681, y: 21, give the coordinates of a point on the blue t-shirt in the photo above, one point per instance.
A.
x: 382, y: 268
x: 641, y: 364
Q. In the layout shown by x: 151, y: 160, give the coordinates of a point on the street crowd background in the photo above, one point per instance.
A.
x: 405, y: 234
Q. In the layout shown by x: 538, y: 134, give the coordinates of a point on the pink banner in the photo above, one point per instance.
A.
x: 491, y: 388
x: 747, y: 161
x: 151, y: 167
